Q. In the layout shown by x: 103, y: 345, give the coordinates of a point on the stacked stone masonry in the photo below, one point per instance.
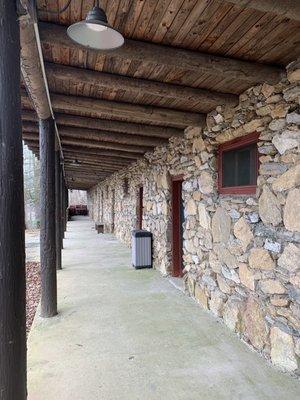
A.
x: 241, y: 253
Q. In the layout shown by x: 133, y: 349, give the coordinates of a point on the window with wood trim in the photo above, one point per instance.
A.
x: 238, y: 165
x: 126, y: 186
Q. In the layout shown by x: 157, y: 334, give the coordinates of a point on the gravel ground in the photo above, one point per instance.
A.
x: 33, y: 291
x: 32, y: 237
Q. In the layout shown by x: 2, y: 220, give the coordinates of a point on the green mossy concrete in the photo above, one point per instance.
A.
x: 125, y: 334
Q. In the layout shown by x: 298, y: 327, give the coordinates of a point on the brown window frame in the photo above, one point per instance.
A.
x: 126, y: 187
x: 234, y: 145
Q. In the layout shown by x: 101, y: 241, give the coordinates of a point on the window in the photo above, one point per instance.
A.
x: 126, y: 187
x: 238, y: 165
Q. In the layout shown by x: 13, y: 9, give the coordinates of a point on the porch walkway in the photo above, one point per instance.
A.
x: 125, y: 334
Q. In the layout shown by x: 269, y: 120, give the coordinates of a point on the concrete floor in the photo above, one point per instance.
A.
x: 125, y: 334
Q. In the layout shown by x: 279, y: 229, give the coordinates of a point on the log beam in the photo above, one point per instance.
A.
x: 104, y: 81
x: 12, y: 228
x: 31, y: 65
x: 93, y: 173
x: 82, y: 180
x: 92, y: 134
x: 89, y: 162
x: 94, y: 178
x: 110, y: 126
x: 77, y: 151
x: 85, y: 177
x: 154, y: 54
x: 96, y: 161
x: 125, y: 151
x: 90, y: 173
x: 94, y: 144
x: 79, y: 186
x: 47, y: 232
x: 287, y: 8
x: 122, y: 111
x: 92, y: 169
x: 135, y: 141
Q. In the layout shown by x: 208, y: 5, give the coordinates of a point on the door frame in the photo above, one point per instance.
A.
x: 140, y: 207
x: 177, y: 248
x: 113, y: 213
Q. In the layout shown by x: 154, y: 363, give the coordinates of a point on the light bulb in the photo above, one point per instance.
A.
x: 96, y: 27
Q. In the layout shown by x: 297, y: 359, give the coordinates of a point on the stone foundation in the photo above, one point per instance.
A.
x: 241, y: 253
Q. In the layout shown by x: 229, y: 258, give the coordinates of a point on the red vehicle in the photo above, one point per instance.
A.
x: 78, y: 209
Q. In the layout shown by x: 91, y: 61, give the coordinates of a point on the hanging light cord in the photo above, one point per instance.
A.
x: 66, y: 6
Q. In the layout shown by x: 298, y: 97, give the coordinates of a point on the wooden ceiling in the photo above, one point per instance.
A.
x: 181, y: 59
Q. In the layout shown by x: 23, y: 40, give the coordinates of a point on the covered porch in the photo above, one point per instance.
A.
x: 127, y: 334
x: 188, y: 127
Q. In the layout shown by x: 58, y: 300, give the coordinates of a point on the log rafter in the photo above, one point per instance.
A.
x: 113, y: 127
x: 88, y: 166
x: 84, y: 175
x: 91, y: 165
x: 122, y: 154
x: 209, y: 99
x: 201, y: 63
x: 94, y: 144
x: 89, y: 171
x: 31, y: 65
x: 91, y: 134
x: 106, y: 125
x: 105, y: 160
x: 121, y: 111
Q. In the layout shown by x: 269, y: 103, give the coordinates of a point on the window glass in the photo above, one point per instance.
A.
x: 239, y: 166
x: 126, y: 187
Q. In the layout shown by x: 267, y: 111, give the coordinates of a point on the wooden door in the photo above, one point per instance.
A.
x: 177, y: 226
x: 113, y: 211
x: 140, y: 207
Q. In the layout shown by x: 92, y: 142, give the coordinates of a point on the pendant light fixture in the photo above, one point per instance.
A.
x: 95, y: 32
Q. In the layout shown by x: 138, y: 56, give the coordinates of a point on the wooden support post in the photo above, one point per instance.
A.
x: 61, y: 209
x: 66, y: 205
x: 63, y: 214
x: 47, y: 235
x: 12, y: 253
x: 57, y: 210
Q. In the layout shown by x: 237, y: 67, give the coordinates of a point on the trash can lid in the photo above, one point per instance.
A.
x: 141, y: 233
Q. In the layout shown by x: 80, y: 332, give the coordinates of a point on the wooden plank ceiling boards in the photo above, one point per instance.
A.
x: 180, y: 60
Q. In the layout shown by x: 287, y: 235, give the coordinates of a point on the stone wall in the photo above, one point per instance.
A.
x: 241, y: 253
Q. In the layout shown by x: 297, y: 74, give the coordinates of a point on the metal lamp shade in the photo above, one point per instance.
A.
x: 96, y: 35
